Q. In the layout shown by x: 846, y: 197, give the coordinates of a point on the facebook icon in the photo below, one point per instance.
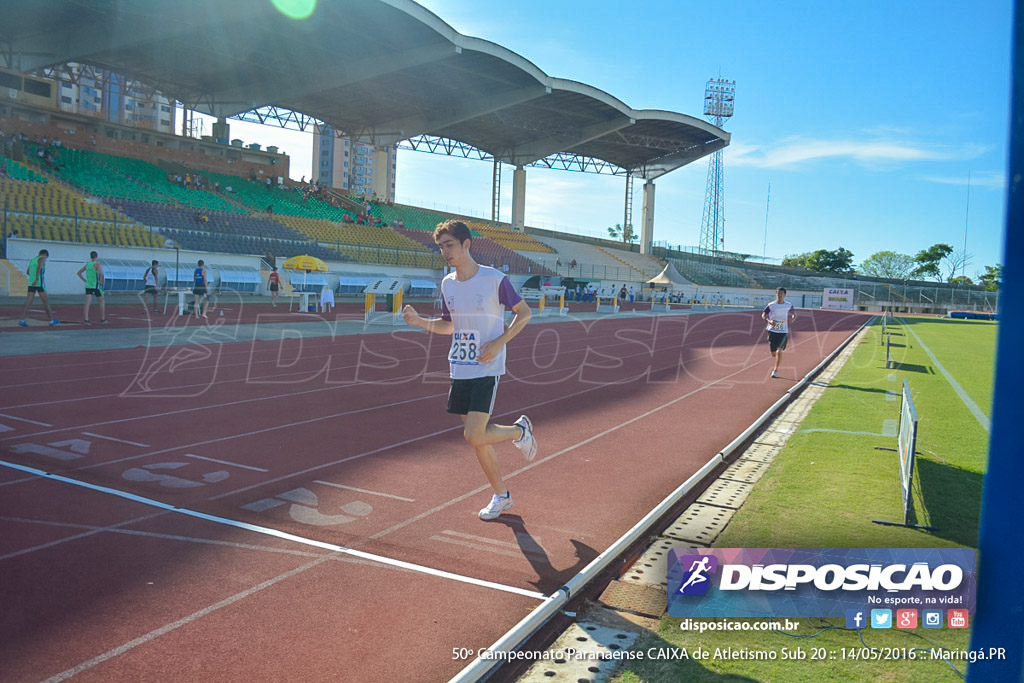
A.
x: 856, y: 618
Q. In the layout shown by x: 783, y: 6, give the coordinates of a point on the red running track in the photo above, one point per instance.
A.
x: 343, y: 440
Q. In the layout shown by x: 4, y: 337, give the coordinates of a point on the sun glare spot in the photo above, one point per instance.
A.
x: 295, y: 9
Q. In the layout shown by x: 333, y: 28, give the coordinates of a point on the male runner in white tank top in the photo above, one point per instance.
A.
x: 473, y: 301
x: 778, y: 314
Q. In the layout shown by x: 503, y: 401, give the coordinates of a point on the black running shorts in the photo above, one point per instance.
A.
x: 777, y: 341
x: 472, y: 395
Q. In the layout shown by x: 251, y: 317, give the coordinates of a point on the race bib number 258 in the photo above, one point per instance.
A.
x: 465, y: 347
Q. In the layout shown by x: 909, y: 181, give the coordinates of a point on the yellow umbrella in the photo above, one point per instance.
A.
x: 305, y: 263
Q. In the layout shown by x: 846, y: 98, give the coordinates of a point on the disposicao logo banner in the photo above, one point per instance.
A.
x: 817, y: 582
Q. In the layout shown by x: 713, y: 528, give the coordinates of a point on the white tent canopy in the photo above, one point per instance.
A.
x: 668, y: 277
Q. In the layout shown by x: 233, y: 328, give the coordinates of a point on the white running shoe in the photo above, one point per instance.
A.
x: 774, y: 374
x: 497, y: 505
x: 526, y: 443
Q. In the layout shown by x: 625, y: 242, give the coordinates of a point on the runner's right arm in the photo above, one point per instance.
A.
x: 435, y: 325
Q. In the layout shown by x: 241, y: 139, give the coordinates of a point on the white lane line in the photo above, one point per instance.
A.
x: 328, y: 417
x: 22, y: 419
x: 481, y: 539
x: 414, y: 439
x: 93, y: 531
x: 477, y: 546
x: 154, y: 534
x: 167, y: 628
x: 430, y: 571
x: 567, y: 449
x: 110, y: 438
x: 225, y: 462
x: 980, y: 416
x: 372, y: 493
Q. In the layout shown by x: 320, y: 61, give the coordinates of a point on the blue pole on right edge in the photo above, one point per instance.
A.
x: 999, y: 621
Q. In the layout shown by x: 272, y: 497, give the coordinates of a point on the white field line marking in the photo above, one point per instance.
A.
x: 430, y: 571
x: 110, y: 438
x: 249, y: 363
x: 254, y: 433
x: 93, y: 531
x: 336, y: 462
x: 225, y: 462
x: 372, y: 493
x: 328, y: 356
x: 978, y: 414
x: 477, y: 546
x: 22, y: 419
x: 170, y: 537
x: 439, y: 432
x: 584, y: 442
x: 245, y: 400
x: 365, y: 453
x: 152, y: 635
x: 481, y: 539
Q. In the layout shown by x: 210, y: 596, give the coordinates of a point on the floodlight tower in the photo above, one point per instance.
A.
x: 719, y: 96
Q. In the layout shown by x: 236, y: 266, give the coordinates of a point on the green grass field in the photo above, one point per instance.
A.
x: 829, y: 483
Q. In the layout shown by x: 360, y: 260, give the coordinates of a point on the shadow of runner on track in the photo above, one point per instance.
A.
x: 549, y: 579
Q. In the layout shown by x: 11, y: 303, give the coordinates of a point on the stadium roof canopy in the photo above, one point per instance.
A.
x: 380, y: 70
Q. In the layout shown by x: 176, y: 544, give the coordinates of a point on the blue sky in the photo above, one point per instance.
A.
x: 865, y: 118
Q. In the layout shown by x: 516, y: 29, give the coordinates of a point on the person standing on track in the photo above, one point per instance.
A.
x: 93, y: 287
x: 150, y: 283
x: 473, y: 299
x: 37, y: 285
x: 275, y: 285
x: 199, y: 280
x: 779, y: 314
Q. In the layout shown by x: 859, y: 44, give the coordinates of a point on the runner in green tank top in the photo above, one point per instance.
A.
x: 93, y: 287
x: 36, y: 285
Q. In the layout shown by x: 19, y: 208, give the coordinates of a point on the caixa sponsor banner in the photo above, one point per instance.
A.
x: 816, y: 582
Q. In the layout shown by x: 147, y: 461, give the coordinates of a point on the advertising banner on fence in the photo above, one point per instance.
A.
x: 818, y: 582
x: 841, y: 299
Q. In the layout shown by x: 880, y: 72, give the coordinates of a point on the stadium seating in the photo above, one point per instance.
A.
x: 169, y: 216
x: 199, y: 240
x: 60, y: 229
x: 591, y: 262
x: 54, y: 212
x: 507, y: 237
x: 20, y: 172
x: 288, y: 201
x: 411, y: 217
x: 105, y: 175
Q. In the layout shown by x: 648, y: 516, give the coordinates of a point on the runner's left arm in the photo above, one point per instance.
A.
x: 490, y: 349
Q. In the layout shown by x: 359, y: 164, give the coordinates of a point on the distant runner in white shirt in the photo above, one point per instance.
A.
x: 473, y: 301
x: 779, y: 314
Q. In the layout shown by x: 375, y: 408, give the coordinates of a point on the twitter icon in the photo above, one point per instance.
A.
x: 881, y: 618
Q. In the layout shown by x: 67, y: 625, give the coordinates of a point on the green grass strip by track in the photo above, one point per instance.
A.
x: 829, y: 483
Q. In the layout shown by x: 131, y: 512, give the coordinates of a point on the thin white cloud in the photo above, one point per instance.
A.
x: 990, y: 179
x: 792, y: 152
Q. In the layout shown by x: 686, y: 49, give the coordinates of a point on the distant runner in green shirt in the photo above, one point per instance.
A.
x: 93, y: 280
x: 36, y: 285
